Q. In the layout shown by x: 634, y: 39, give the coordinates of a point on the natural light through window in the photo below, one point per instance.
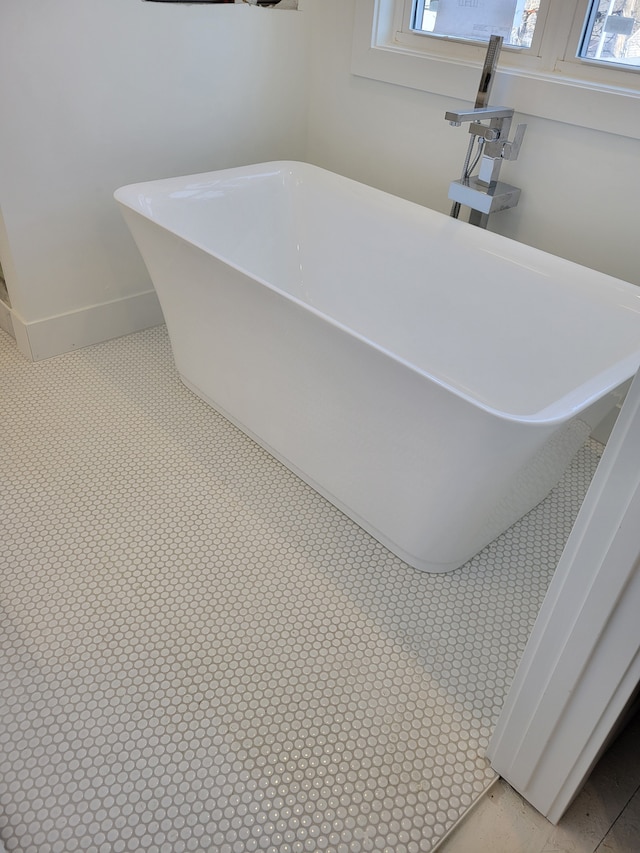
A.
x: 514, y: 20
x: 610, y: 29
x: 612, y: 32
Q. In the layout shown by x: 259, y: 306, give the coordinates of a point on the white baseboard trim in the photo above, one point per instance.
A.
x: 66, y: 332
x: 6, y: 323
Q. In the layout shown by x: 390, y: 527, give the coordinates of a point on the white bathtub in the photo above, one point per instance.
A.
x: 431, y: 379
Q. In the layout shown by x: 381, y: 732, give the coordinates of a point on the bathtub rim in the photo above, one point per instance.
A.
x: 561, y: 410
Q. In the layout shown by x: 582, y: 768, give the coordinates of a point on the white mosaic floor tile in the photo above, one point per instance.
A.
x: 201, y: 654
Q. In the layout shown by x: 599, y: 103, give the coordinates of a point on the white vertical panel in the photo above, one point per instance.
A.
x: 582, y: 662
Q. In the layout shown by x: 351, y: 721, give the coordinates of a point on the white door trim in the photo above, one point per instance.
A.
x: 582, y: 662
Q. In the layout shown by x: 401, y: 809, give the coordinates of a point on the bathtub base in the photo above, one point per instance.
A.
x: 411, y: 559
x: 531, y: 484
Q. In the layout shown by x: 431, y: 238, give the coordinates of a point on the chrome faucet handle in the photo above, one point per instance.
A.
x: 511, y: 149
x: 489, y: 134
x: 457, y: 117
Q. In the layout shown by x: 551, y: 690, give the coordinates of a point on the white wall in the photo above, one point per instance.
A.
x: 98, y: 93
x: 580, y: 188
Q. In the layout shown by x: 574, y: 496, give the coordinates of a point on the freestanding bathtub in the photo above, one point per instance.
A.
x: 431, y: 379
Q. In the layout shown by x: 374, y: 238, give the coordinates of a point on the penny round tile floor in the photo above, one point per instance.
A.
x: 199, y: 653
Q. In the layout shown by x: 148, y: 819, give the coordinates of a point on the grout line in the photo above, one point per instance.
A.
x: 617, y: 819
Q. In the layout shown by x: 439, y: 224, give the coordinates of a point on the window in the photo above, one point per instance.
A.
x: 514, y: 20
x: 610, y: 28
x: 612, y: 32
x: 576, y: 61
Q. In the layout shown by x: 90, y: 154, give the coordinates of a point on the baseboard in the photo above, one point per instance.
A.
x: 66, y: 332
x: 6, y: 322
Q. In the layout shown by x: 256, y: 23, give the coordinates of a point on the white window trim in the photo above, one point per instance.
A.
x: 568, y: 93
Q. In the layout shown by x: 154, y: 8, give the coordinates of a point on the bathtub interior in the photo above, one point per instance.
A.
x: 522, y: 333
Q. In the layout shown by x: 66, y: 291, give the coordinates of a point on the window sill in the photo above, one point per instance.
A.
x: 558, y: 96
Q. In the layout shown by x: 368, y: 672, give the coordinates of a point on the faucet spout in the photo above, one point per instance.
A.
x: 457, y: 117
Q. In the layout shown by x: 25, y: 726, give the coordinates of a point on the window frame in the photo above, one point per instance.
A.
x: 549, y: 81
